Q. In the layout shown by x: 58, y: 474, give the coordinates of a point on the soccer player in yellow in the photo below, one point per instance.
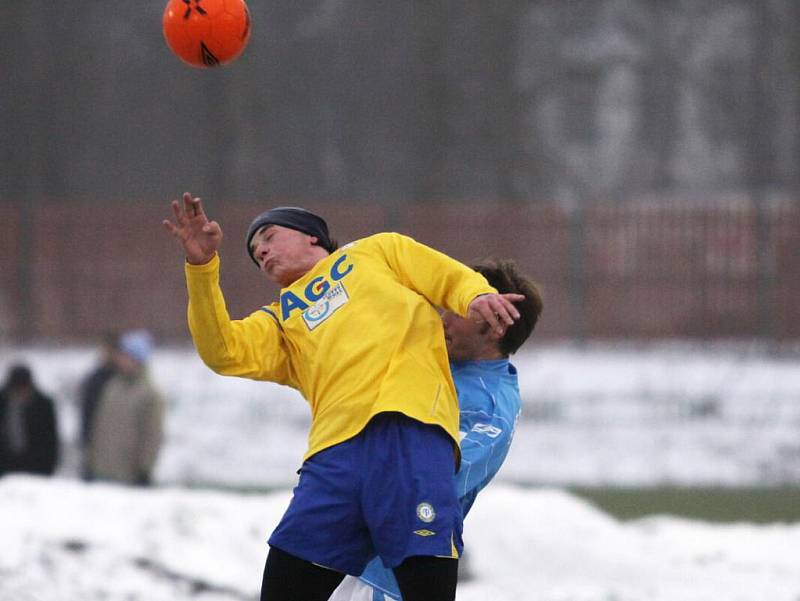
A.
x: 356, y: 332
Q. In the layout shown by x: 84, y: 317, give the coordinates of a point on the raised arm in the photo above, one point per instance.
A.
x: 448, y: 283
x: 251, y: 347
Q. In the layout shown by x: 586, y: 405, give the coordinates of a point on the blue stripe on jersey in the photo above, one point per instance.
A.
x: 272, y: 314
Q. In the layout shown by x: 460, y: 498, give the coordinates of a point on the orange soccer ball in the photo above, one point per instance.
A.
x: 206, y: 33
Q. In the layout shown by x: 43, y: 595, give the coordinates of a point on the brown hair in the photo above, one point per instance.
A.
x: 504, y: 276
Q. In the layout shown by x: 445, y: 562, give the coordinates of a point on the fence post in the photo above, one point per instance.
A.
x: 24, y: 275
x: 759, y: 160
x: 764, y: 266
x: 577, y: 270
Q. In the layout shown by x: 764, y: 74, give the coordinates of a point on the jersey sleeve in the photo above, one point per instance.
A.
x: 442, y: 280
x: 252, y: 347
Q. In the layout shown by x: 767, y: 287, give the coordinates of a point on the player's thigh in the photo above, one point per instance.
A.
x: 409, y: 497
x: 324, y: 522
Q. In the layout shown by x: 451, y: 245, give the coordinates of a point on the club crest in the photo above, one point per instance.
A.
x: 426, y: 513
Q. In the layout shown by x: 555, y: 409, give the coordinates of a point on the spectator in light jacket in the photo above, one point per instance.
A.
x: 128, y: 423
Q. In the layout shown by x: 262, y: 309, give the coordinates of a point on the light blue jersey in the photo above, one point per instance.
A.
x: 489, y: 402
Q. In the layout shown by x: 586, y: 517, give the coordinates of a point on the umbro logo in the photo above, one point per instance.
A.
x: 424, y: 532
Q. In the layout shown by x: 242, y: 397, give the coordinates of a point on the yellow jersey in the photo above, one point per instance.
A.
x: 357, y: 335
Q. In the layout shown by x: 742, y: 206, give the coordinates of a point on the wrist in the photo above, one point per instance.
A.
x: 201, y: 260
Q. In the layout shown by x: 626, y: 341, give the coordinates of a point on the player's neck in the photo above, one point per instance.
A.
x: 487, y: 353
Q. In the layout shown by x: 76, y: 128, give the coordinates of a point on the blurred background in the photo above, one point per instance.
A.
x: 638, y: 158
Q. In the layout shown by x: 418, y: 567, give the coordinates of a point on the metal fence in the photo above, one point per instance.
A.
x: 76, y: 271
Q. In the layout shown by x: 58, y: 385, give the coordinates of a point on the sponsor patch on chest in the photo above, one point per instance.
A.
x: 332, y: 300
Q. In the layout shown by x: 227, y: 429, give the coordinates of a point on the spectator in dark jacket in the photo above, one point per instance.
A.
x: 28, y: 426
x: 90, y: 392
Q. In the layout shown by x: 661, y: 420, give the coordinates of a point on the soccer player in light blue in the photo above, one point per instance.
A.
x: 489, y: 401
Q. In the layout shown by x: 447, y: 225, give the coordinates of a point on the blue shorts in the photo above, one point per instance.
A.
x: 389, y: 491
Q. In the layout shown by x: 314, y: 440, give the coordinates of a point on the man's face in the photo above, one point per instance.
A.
x: 466, y: 340
x: 126, y: 364
x: 283, y: 254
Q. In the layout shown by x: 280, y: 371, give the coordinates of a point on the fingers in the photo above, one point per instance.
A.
x: 183, y: 212
x: 481, y: 310
x: 192, y: 206
x: 493, y: 320
x: 501, y: 309
x: 172, y: 228
x: 500, y: 317
x: 497, y: 310
x: 188, y: 209
x: 511, y: 312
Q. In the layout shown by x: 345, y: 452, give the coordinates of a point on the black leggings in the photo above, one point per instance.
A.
x: 289, y: 578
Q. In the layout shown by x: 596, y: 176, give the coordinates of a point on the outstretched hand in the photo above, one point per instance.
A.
x: 200, y: 237
x: 497, y: 310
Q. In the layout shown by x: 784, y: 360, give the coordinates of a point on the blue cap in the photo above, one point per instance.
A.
x: 137, y: 344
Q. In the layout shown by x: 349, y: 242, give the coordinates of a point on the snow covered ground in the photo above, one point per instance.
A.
x: 635, y: 415
x: 594, y: 415
x: 67, y: 541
